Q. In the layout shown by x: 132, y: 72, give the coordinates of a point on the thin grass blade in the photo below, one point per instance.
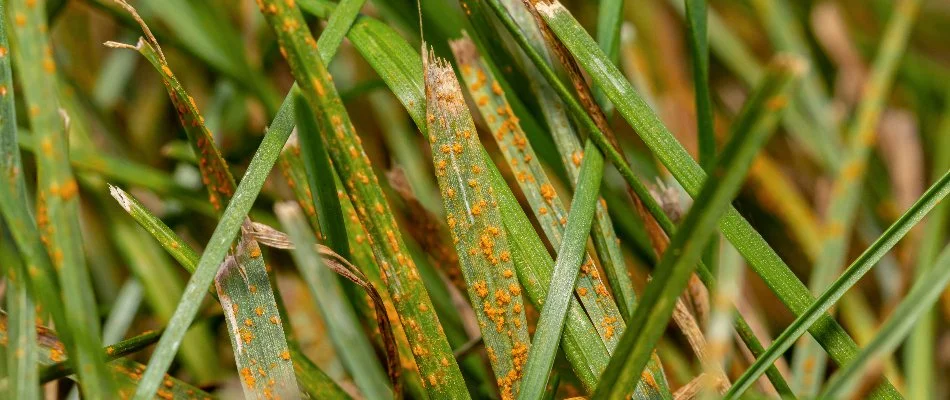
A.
x: 22, y: 376
x: 855, y: 271
x: 920, y: 299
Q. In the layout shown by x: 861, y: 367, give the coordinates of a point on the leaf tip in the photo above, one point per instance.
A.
x: 121, y: 196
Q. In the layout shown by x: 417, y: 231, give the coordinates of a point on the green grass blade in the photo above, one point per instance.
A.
x: 22, y: 376
x: 411, y: 300
x: 344, y: 330
x: 750, y: 132
x: 919, y: 356
x: 337, y: 26
x: 113, y: 352
x: 762, y: 258
x: 566, y: 267
x: 254, y: 326
x: 57, y: 198
x: 476, y: 225
x: 847, y: 188
x: 921, y: 297
x: 699, y: 49
x: 609, y: 21
x: 855, y: 271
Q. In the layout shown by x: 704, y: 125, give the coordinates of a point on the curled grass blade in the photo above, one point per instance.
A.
x: 476, y: 226
x: 400, y: 274
x: 921, y: 297
x: 750, y: 132
x: 847, y: 188
x: 57, y: 198
x: 762, y: 258
x: 855, y: 271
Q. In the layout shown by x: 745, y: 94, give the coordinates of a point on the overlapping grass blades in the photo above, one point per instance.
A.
x: 431, y: 349
x: 750, y: 132
x: 734, y: 227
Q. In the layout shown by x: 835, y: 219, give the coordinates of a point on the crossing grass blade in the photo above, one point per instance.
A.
x: 750, y: 132
x: 847, y: 188
x: 433, y: 355
x: 57, y: 208
x: 848, y: 278
x: 113, y: 352
x: 762, y: 258
x: 473, y: 217
x: 921, y: 297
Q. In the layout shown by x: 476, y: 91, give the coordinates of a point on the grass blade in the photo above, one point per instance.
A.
x: 699, y: 47
x: 847, y: 189
x: 254, y: 326
x: 337, y: 26
x: 22, y: 376
x: 57, y: 199
x: 918, y: 301
x: 855, y: 271
x: 473, y: 217
x: 750, y: 132
x: 411, y: 300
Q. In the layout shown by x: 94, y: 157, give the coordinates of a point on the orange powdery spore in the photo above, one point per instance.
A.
x: 475, y: 220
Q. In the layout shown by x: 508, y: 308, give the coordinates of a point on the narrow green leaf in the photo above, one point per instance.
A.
x: 762, y: 258
x: 113, y: 352
x: 474, y: 219
x: 749, y: 133
x: 57, y: 198
x: 699, y: 49
x: 921, y: 297
x: 337, y: 26
x: 848, y: 278
x: 411, y: 300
